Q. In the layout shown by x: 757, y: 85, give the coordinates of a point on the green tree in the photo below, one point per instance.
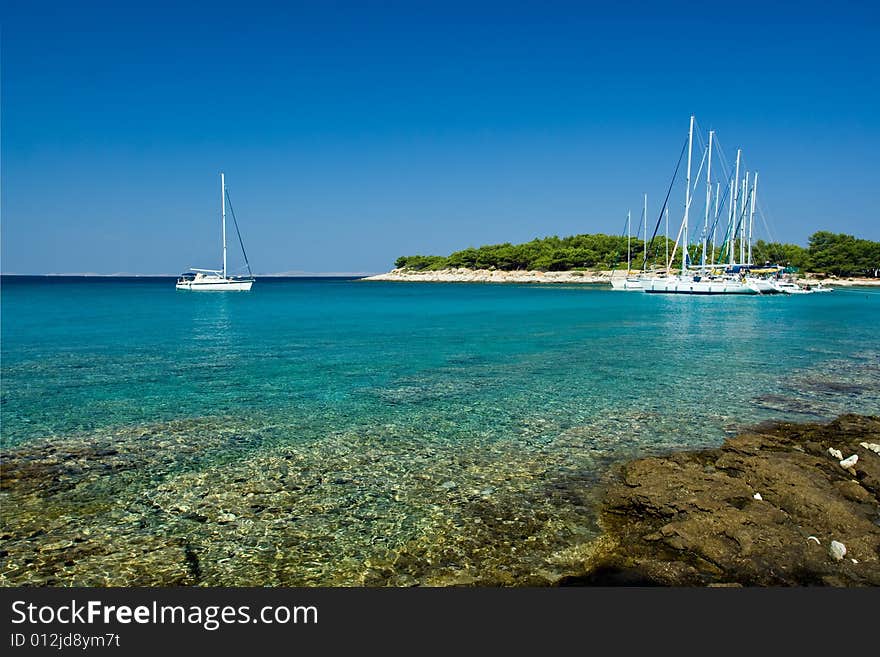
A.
x: 839, y: 254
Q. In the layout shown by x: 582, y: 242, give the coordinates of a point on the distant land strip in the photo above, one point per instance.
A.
x: 596, y: 255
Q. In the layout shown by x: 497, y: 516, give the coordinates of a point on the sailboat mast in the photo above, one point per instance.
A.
x: 708, y: 200
x: 752, y: 214
x: 628, y: 240
x: 715, y: 223
x: 733, y: 207
x: 645, y: 243
x: 687, y: 199
x: 729, y: 232
x: 742, y: 218
x: 223, y: 204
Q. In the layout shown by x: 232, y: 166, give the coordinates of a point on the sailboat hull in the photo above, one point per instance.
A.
x: 631, y: 284
x: 216, y: 286
x: 690, y: 286
x: 762, y: 285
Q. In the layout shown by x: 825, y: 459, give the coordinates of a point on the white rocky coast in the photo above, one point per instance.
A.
x: 493, y: 276
x: 463, y: 275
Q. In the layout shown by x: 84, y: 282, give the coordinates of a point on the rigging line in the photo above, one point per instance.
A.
x: 725, y: 166
x: 742, y: 216
x: 697, y: 177
x: 730, y: 239
x: 238, y: 232
x: 766, y: 227
x: 674, y: 248
x: 693, y: 196
x: 617, y: 252
x: 762, y: 212
x: 699, y: 134
x: 697, y: 226
x: 721, y: 201
x: 665, y: 201
x: 642, y: 219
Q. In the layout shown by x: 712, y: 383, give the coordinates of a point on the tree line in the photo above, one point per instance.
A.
x: 829, y: 253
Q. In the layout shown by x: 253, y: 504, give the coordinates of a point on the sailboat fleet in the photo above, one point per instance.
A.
x: 721, y: 272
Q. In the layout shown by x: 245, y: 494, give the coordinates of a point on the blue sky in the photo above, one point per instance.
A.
x: 351, y: 133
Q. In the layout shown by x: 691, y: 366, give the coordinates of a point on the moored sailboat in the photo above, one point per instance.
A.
x: 632, y: 282
x: 217, y: 279
x: 790, y: 287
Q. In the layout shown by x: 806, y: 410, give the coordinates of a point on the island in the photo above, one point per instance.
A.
x: 834, y: 258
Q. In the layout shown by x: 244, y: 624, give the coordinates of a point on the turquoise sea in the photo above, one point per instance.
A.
x: 341, y: 432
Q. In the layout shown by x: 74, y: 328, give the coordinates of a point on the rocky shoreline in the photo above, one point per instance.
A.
x: 568, y: 277
x: 492, y: 276
x: 781, y: 505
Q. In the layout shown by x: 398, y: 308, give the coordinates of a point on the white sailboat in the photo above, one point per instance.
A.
x: 217, y: 279
x: 696, y: 284
x: 707, y: 278
x: 631, y: 282
x: 790, y: 287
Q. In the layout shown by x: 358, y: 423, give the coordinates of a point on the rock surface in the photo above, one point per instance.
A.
x: 692, y: 518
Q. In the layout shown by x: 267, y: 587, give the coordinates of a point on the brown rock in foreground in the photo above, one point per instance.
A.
x: 692, y: 519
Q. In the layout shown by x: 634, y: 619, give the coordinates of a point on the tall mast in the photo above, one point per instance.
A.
x: 628, y: 250
x: 733, y: 206
x: 708, y: 199
x: 687, y: 200
x: 223, y: 203
x: 645, y: 244
x: 752, y: 214
x: 715, y: 222
x: 742, y: 219
x: 729, y: 232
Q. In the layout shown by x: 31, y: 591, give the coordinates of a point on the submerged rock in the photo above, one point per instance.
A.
x: 156, y: 511
x: 675, y: 521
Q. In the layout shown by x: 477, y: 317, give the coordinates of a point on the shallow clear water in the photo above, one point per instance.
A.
x: 330, y: 431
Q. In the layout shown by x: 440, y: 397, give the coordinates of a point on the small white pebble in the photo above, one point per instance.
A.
x: 854, y: 560
x: 849, y: 461
x: 836, y: 453
x: 837, y: 550
x: 874, y: 447
x: 757, y: 496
